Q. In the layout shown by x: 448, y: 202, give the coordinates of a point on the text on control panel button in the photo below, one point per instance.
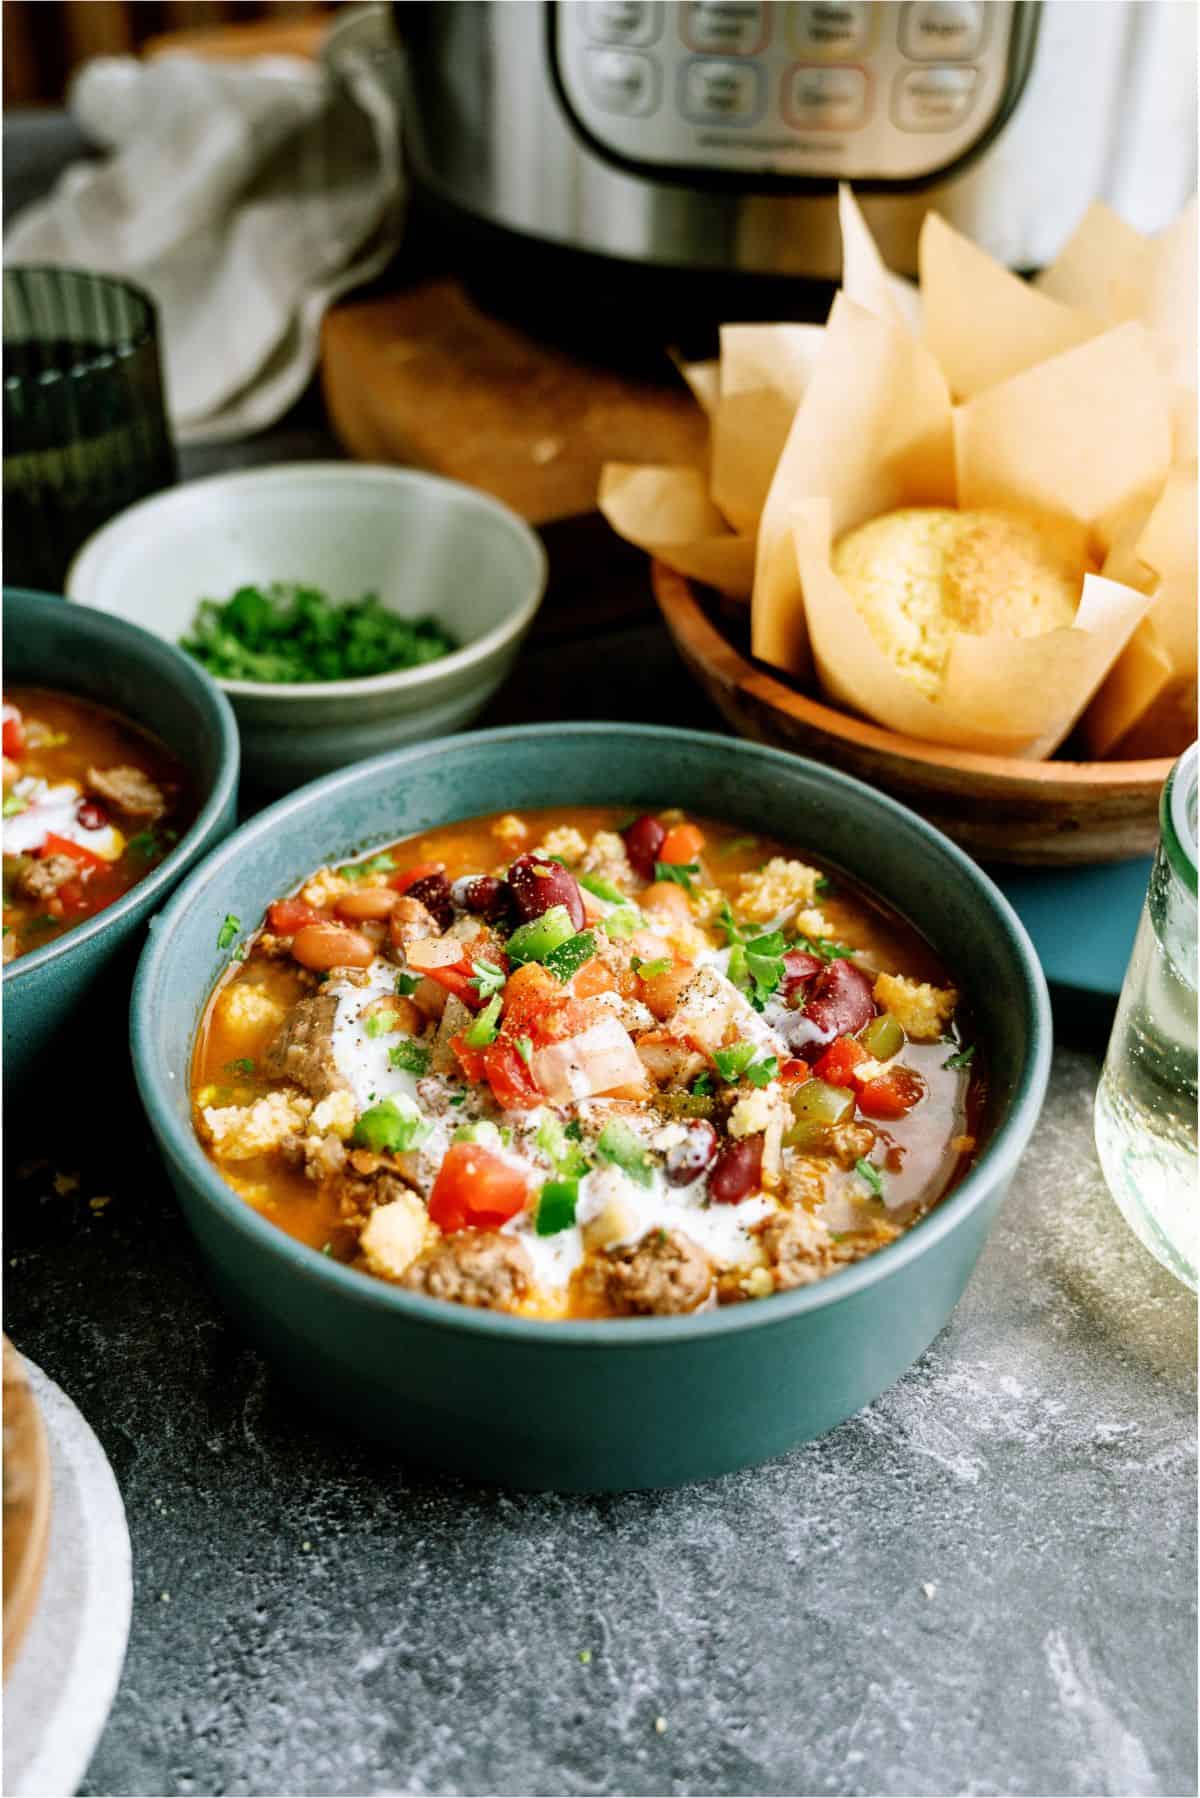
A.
x: 941, y: 30
x: 825, y: 99
x: 734, y: 27
x: 716, y: 92
x: 623, y: 81
x: 827, y: 28
x: 632, y: 22
x: 933, y: 99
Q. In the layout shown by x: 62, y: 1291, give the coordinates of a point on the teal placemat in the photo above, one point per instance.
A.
x: 1082, y: 920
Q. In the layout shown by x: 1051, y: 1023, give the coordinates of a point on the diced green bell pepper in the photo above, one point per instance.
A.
x: 883, y: 1036
x: 556, y: 1207
x: 535, y: 940
x: 816, y: 1102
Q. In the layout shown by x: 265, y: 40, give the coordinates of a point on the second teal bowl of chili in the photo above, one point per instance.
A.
x: 603, y: 1404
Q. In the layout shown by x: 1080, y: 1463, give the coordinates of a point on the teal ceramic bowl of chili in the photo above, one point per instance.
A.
x: 92, y: 657
x: 616, y: 1403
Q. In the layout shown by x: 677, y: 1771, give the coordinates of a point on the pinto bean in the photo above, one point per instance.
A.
x: 537, y: 883
x: 325, y: 946
x: 401, y: 1011
x: 371, y: 902
x: 662, y: 992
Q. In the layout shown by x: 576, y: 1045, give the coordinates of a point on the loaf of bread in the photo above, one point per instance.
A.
x: 921, y: 575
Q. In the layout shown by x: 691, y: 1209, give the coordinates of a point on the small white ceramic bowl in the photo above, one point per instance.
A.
x: 421, y: 543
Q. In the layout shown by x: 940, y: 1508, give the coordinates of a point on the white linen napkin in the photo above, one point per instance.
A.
x: 245, y: 197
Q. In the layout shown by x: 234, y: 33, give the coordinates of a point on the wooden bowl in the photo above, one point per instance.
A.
x: 1054, y: 814
x: 26, y: 1503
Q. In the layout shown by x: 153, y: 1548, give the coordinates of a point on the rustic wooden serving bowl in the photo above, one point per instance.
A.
x: 1054, y: 814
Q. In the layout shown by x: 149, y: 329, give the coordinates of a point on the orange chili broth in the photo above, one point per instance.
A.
x: 295, y: 1203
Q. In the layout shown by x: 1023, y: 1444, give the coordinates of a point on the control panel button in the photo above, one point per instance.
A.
x: 715, y: 92
x: 825, y: 99
x: 623, y: 81
x: 732, y: 27
x: 633, y: 22
x: 933, y: 99
x: 942, y: 30
x: 831, y: 29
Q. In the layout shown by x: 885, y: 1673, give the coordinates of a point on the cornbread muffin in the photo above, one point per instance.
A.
x: 920, y: 575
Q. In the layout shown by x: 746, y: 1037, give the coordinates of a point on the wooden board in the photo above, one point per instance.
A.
x: 427, y: 379
x: 1053, y: 814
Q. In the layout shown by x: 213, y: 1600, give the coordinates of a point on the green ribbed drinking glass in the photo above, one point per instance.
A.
x: 85, y: 425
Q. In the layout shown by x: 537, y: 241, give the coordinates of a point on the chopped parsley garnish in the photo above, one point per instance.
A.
x: 738, y: 1063
x: 963, y: 1059
x: 409, y: 1056
x: 524, y: 1048
x: 729, y: 924
x: 14, y: 804
x: 394, y: 1124
x: 486, y: 1027
x: 825, y: 886
x: 764, y: 966
x: 241, y: 1065
x: 487, y: 978
x: 648, y: 969
x: 574, y: 1129
x: 702, y: 1085
x: 406, y: 984
x: 457, y: 1099
x: 682, y: 873
x: 378, y: 864
x: 227, y: 934
x: 824, y: 947
x: 288, y: 632
x: 618, y: 1145
x: 871, y: 1174
x: 569, y: 957
x: 556, y: 1207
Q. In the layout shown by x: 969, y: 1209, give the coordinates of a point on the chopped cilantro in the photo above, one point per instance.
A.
x: 618, y: 1145
x: 409, y: 1056
x: 761, y: 1073
x: 228, y: 931
x: 729, y: 924
x: 378, y: 864
x: 569, y: 957
x: 825, y: 886
x: 824, y: 947
x: 682, y: 873
x: 406, y: 984
x: 702, y: 1085
x: 648, y: 969
x: 574, y: 1129
x: 764, y: 965
x: 287, y: 632
x: 486, y: 1026
x: 144, y: 844
x: 524, y: 1048
x: 871, y: 1174
x: 738, y: 1063
x: 241, y: 1065
x: 963, y: 1059
x: 487, y: 978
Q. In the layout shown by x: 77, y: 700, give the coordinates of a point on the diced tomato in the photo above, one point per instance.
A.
x: 510, y: 1077
x: 56, y: 845
x: 593, y: 977
x: 891, y: 1095
x: 793, y: 1072
x: 13, y: 734
x: 287, y: 916
x: 475, y: 1189
x: 457, y: 980
x: 836, y: 1066
x: 469, y: 1060
x: 682, y: 843
x: 408, y: 877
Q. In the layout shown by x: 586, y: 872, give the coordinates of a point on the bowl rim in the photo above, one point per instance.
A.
x: 86, y: 570
x: 678, y: 599
x: 996, y: 1164
x: 124, y: 636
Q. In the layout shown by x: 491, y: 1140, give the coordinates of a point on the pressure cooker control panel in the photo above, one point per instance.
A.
x: 835, y: 88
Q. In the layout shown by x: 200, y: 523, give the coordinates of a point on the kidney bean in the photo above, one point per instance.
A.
x: 325, y: 946
x: 433, y: 892
x: 91, y: 815
x: 738, y: 1171
x: 693, y: 1156
x: 371, y: 902
x: 537, y: 884
x: 643, y: 840
x: 840, y: 1001
x: 487, y: 897
x: 799, y: 969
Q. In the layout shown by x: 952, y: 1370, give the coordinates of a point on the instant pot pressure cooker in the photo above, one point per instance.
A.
x: 708, y: 136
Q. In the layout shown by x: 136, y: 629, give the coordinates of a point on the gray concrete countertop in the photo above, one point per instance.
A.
x: 985, y: 1583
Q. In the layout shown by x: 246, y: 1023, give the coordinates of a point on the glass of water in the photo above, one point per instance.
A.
x: 1146, y: 1101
